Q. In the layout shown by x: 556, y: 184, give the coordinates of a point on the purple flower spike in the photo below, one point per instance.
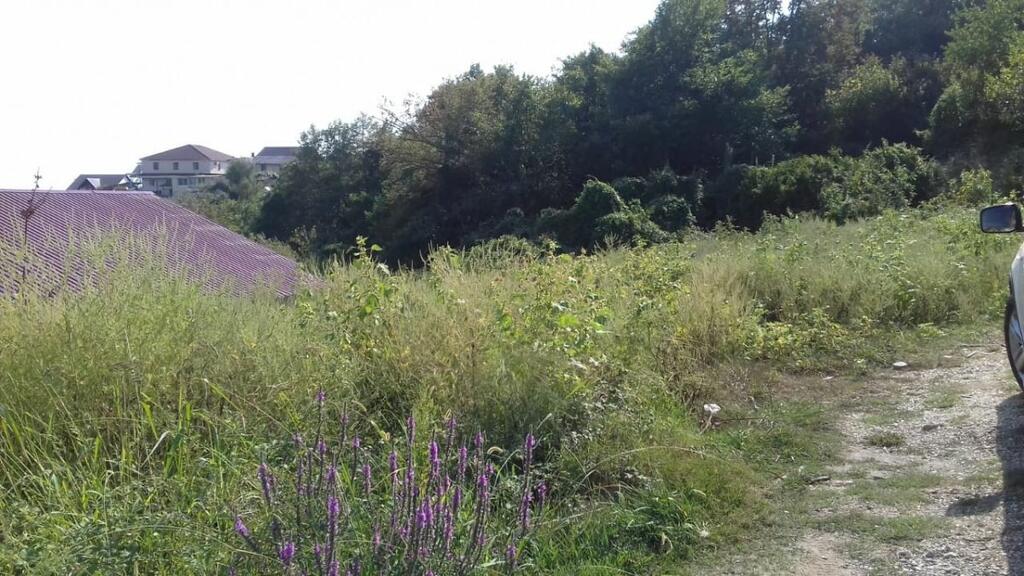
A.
x: 266, y: 483
x: 321, y: 396
x: 298, y: 441
x: 333, y: 509
x: 410, y: 425
x: 376, y: 538
x: 542, y: 493
x: 240, y: 528
x: 321, y: 448
x: 333, y: 570
x: 478, y: 442
x: 367, y: 478
x: 332, y: 475
x: 287, y: 553
x: 393, y: 463
x: 511, y: 555
x: 318, y: 551
x: 356, y: 443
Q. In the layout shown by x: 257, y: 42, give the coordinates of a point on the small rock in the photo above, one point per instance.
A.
x: 819, y: 479
x: 879, y: 475
x: 930, y: 427
x: 899, y: 365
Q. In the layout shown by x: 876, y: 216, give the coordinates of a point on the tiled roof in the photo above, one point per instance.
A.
x: 97, y: 181
x: 279, y: 151
x: 205, y: 251
x: 190, y: 152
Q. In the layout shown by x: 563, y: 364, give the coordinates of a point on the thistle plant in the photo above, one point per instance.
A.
x: 354, y: 510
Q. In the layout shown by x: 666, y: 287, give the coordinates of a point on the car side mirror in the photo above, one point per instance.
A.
x: 1001, y: 219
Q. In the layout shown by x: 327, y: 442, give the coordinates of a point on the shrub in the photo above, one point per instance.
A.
x: 890, y: 177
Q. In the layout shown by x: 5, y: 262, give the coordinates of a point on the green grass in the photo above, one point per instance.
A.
x: 900, y: 491
x: 943, y: 399
x: 888, y: 530
x: 134, y: 415
x: 885, y: 440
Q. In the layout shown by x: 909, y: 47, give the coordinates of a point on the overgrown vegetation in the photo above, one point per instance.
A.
x: 717, y: 110
x: 135, y: 415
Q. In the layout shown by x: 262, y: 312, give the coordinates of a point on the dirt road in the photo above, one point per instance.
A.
x: 931, y: 479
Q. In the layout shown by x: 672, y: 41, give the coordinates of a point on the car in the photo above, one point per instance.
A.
x: 1006, y: 219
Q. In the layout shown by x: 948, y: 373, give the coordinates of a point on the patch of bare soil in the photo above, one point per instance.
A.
x: 931, y: 480
x: 925, y: 472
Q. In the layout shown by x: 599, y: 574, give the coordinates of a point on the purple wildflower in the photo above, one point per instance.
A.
x: 298, y: 441
x: 367, y: 478
x: 463, y: 454
x: 321, y: 396
x: 266, y: 483
x: 356, y: 443
x: 321, y: 447
x: 528, y: 445
x: 240, y: 528
x: 511, y: 555
x: 334, y: 569
x: 333, y: 510
x: 542, y: 493
x: 410, y: 425
x: 286, y: 553
x: 376, y: 538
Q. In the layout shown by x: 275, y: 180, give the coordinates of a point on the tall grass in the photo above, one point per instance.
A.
x: 134, y: 413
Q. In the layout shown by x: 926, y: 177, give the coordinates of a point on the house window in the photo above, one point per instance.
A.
x: 263, y: 167
x: 195, y: 165
x: 156, y: 165
x: 175, y: 165
x: 182, y: 181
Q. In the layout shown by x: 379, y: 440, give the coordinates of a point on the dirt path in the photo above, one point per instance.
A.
x: 931, y: 480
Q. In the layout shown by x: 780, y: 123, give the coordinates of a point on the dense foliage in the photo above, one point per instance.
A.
x: 715, y: 110
x: 135, y: 416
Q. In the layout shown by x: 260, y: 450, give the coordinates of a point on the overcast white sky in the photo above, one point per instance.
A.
x: 93, y: 85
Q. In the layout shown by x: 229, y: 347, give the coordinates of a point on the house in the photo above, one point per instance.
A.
x: 271, y: 159
x: 44, y: 234
x: 181, y: 170
x: 105, y: 182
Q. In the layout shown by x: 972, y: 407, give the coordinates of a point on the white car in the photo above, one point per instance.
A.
x: 1004, y: 219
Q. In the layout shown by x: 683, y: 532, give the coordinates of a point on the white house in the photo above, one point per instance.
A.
x: 271, y: 159
x: 184, y: 169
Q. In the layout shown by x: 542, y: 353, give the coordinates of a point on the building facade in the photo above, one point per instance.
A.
x: 271, y: 159
x: 182, y: 170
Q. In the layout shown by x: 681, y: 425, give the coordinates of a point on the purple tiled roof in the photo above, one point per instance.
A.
x: 203, y: 250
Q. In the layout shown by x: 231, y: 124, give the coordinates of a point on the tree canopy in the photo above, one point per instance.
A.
x: 714, y: 110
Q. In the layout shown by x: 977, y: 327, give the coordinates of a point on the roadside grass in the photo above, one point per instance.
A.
x: 899, y: 491
x: 885, y: 440
x: 887, y: 530
x: 135, y: 414
x: 943, y: 398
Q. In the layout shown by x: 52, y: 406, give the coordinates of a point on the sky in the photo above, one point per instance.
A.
x: 91, y: 86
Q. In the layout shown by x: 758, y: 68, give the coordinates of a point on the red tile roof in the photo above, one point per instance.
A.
x: 204, y: 250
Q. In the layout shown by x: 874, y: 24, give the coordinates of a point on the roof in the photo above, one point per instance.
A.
x: 190, y: 152
x: 98, y: 181
x: 290, y: 151
x: 205, y: 251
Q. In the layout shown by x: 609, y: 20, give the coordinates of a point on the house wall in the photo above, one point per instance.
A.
x: 166, y: 181
x: 184, y: 167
